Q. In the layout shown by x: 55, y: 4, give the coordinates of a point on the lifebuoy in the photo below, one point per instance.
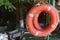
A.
x: 32, y: 20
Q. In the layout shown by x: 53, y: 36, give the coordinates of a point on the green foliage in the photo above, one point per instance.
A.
x: 7, y: 4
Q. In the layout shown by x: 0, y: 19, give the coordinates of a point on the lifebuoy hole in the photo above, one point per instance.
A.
x: 44, y: 19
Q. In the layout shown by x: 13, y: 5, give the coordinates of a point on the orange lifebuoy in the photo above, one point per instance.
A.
x: 32, y: 20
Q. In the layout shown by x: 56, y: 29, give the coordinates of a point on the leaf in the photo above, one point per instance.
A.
x: 8, y: 5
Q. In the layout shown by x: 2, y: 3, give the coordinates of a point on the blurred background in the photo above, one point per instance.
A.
x: 12, y: 19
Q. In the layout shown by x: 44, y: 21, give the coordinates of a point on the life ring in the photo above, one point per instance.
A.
x: 32, y: 20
